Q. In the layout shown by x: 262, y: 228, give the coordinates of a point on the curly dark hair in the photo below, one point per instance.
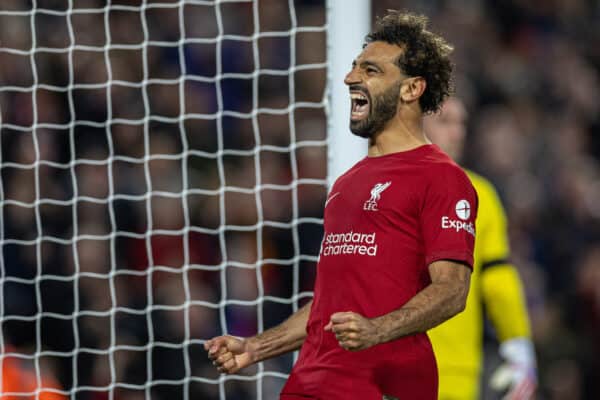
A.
x: 425, y: 54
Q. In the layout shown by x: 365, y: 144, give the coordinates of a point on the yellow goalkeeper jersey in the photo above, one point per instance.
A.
x: 457, y: 343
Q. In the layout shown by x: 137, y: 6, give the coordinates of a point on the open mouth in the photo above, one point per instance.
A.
x: 359, y: 106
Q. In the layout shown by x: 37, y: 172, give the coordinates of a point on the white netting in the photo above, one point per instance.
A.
x: 162, y: 179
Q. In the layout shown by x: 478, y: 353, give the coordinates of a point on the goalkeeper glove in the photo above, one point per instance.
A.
x: 517, y: 376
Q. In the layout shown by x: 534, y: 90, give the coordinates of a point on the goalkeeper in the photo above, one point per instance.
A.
x: 495, y: 285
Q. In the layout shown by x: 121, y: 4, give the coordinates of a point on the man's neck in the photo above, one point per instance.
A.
x: 400, y: 134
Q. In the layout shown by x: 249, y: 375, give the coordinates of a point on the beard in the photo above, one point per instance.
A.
x: 381, y: 109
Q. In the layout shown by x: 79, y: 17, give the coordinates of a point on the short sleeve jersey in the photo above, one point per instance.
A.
x: 386, y: 219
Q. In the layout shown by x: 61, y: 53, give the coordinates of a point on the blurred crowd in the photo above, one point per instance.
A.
x: 169, y: 193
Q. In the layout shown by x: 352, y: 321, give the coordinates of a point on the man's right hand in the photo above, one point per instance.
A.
x: 229, y: 354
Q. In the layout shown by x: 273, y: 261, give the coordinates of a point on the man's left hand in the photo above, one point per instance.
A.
x: 353, y: 331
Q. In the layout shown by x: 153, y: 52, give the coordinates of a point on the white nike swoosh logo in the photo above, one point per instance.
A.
x: 333, y: 196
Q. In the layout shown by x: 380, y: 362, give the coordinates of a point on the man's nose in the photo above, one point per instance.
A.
x: 352, y: 77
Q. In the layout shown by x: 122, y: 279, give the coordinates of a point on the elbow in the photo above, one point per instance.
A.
x: 459, y: 300
x: 462, y: 293
x: 461, y: 304
x: 452, y: 288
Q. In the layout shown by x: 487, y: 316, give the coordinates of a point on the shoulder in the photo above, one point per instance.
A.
x: 442, y: 170
x: 444, y: 181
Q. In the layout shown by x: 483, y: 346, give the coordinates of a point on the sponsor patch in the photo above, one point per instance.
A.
x: 349, y: 243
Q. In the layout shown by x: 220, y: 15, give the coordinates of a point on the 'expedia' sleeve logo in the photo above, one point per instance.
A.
x: 463, y: 212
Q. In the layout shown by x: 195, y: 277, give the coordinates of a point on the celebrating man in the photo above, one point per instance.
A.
x: 397, y: 251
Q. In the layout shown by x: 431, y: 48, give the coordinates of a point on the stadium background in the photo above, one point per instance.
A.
x: 528, y: 71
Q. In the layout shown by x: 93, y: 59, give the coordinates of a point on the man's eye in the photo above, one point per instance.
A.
x: 371, y: 70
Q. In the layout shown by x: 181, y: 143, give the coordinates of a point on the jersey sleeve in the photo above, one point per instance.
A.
x: 448, y: 214
x: 501, y: 287
x: 502, y: 294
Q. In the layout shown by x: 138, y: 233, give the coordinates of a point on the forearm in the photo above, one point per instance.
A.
x: 283, y: 338
x: 429, y: 308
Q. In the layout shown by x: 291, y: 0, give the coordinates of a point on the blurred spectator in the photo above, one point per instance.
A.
x: 20, y: 375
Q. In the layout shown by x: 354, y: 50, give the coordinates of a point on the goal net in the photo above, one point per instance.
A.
x: 162, y: 176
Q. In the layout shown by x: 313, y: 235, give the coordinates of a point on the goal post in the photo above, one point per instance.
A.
x: 164, y: 165
x: 348, y: 24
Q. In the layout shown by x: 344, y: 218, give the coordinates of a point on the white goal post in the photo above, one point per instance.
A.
x: 163, y: 167
x: 348, y: 24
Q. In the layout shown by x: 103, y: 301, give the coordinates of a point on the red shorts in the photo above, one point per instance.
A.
x: 365, y: 375
x: 339, y: 386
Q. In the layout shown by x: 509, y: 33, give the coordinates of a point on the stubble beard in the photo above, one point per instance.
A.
x: 382, y: 109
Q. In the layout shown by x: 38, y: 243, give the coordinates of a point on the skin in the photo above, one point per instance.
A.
x: 374, y: 73
x: 230, y: 354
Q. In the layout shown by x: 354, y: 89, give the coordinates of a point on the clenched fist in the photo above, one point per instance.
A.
x: 353, y: 331
x: 228, y: 353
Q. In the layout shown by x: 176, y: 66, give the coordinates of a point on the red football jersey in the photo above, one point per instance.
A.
x: 386, y: 219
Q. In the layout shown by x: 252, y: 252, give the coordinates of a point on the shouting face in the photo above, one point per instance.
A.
x: 374, y: 83
x: 369, y: 114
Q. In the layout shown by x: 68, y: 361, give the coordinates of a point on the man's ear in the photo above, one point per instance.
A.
x: 412, y: 89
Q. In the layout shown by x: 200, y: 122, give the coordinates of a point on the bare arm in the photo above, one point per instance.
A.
x: 230, y: 354
x: 445, y: 297
x: 283, y: 338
